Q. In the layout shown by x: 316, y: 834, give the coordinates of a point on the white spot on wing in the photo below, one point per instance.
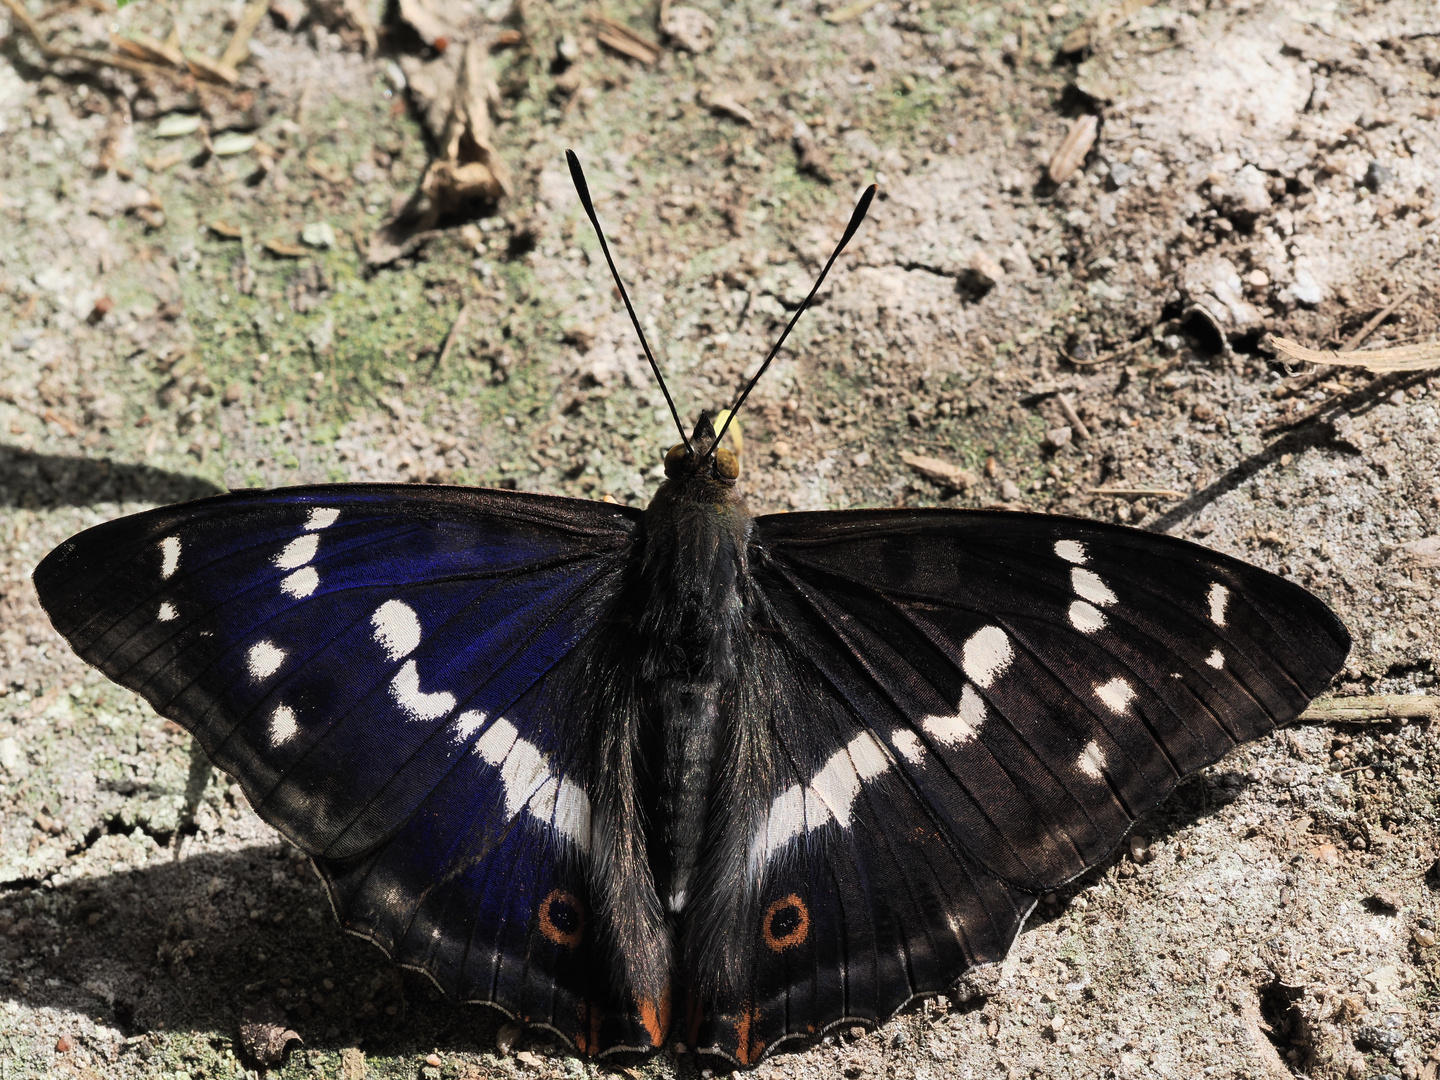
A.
x: 1091, y: 761
x: 301, y: 583
x: 397, y: 628
x: 1219, y: 595
x: 986, y: 655
x: 496, y: 743
x: 572, y: 813
x: 321, y: 517
x: 1088, y: 586
x: 467, y: 723
x: 264, y: 659
x: 784, y: 822
x: 830, y: 794
x: 528, y: 782
x: 297, y: 552
x: 1216, y: 659
x: 169, y: 556
x: 167, y: 612
x: 1116, y: 694
x: 908, y: 745
x: 964, y: 725
x: 1086, y: 617
x: 283, y: 727
x: 1071, y: 551
x: 405, y: 688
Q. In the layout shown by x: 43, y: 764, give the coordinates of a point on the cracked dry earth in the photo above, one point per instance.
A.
x: 1259, y: 167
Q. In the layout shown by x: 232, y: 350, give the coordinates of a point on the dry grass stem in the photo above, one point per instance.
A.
x: 1404, y: 358
x: 1377, y: 707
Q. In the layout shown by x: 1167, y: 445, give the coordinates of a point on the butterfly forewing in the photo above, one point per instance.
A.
x: 1042, y: 681
x: 379, y: 667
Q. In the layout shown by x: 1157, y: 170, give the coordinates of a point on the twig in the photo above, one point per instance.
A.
x: 1107, y: 357
x: 1136, y: 493
x: 57, y: 52
x: 449, y: 343
x: 1077, y: 425
x: 1336, y: 401
x: 1375, y: 707
x: 849, y: 11
x: 1375, y: 320
x: 239, y: 48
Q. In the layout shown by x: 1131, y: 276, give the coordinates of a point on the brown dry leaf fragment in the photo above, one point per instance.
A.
x: 264, y: 1035
x: 424, y: 17
x: 728, y: 104
x: 1404, y: 358
x: 690, y: 28
x: 238, y: 51
x: 1077, y: 144
x: 627, y: 42
x: 284, y: 250
x: 849, y: 11
x: 215, y: 71
x: 809, y: 157
x: 530, y: 1059
x: 467, y: 175
x: 1102, y: 25
x: 225, y: 229
x: 941, y: 472
x: 144, y: 47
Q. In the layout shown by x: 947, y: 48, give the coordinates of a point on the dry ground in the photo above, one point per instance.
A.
x: 1270, y: 166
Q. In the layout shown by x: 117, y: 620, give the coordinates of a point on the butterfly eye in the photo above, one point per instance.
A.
x: 727, y: 465
x: 673, y: 459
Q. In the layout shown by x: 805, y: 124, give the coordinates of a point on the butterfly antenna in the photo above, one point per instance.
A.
x: 861, y: 208
x: 577, y: 175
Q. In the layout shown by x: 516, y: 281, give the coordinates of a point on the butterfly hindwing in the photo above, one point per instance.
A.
x: 978, y: 706
x: 1044, y: 681
x: 379, y: 668
x: 865, y: 898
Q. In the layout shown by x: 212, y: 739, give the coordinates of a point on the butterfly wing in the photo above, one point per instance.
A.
x: 990, y: 700
x: 377, y: 666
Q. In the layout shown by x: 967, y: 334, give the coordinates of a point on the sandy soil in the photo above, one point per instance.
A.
x: 1259, y: 167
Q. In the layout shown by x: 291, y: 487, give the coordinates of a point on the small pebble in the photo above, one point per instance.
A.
x: 1424, y: 938
x: 63, y: 1045
x: 433, y: 1060
x: 1386, y: 899
x: 1258, y: 279
x: 861, y: 460
x: 1009, y: 490
x: 1057, y: 437
x: 505, y: 1038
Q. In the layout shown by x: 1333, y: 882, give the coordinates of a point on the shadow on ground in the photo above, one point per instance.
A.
x: 45, y: 481
x: 188, y: 945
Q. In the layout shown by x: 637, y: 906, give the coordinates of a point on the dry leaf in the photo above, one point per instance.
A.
x: 730, y: 105
x: 627, y: 42
x: 849, y: 11
x: 264, y: 1035
x: 1404, y: 358
x: 941, y: 472
x: 1095, y: 30
x: 690, y: 28
x: 467, y: 175
x: 1077, y: 144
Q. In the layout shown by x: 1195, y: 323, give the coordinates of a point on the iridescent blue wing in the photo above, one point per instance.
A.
x: 376, y: 665
x: 975, y: 708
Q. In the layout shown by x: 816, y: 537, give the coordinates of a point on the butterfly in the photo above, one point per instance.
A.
x: 687, y: 774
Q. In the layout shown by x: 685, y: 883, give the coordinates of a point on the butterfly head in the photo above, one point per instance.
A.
x: 702, y: 457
